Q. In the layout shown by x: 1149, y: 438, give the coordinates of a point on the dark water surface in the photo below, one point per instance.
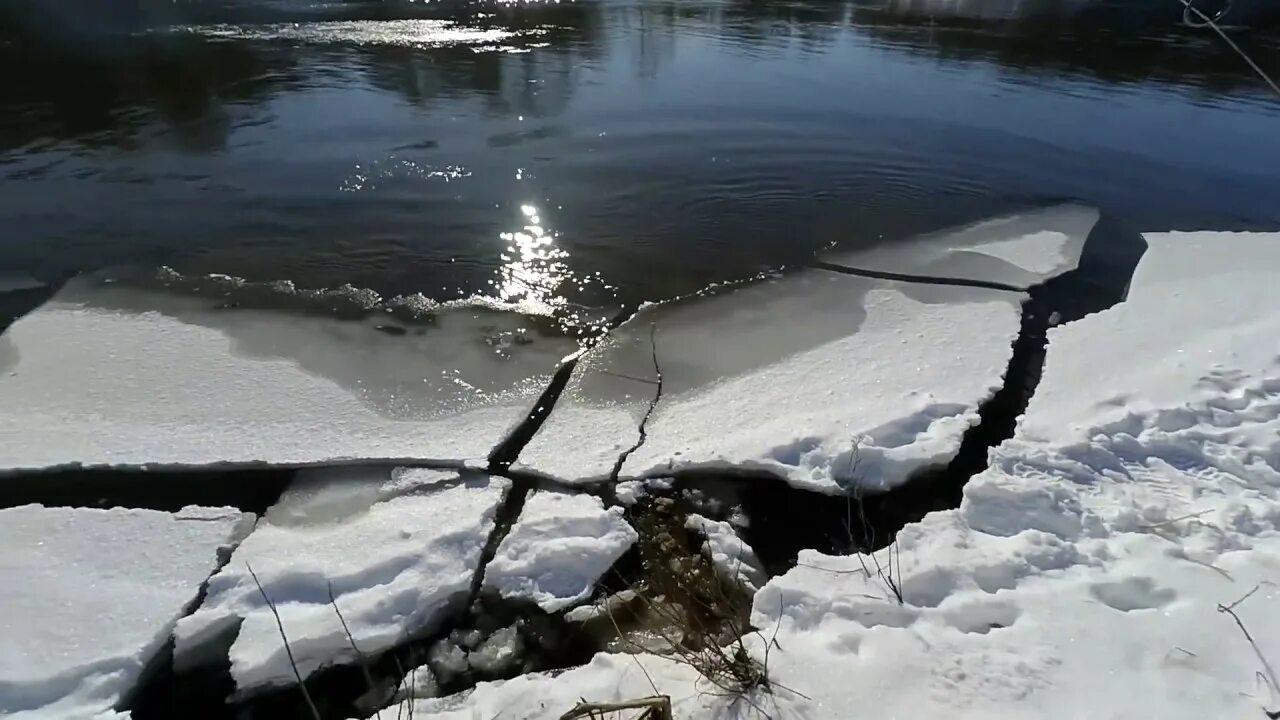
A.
x: 606, y: 150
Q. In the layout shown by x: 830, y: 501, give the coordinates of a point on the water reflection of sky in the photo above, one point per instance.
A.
x: 662, y: 145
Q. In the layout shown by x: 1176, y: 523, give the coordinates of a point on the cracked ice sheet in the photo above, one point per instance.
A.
x: 105, y: 375
x: 1081, y: 575
x: 558, y: 549
x: 399, y: 549
x: 1020, y: 250
x: 88, y: 597
x: 783, y: 375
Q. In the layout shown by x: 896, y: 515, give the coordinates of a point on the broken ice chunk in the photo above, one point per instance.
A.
x: 558, y: 549
x: 106, y: 375
x: 396, y: 559
x: 813, y: 376
x: 88, y: 597
x: 1018, y: 250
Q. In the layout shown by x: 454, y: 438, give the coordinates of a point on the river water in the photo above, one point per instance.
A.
x: 606, y: 150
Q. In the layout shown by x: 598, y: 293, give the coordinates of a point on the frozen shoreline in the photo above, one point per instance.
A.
x: 1080, y: 574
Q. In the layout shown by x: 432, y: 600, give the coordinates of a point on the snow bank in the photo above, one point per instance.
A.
x: 111, y: 376
x: 1018, y: 250
x: 1083, y: 572
x: 1201, y: 312
x: 398, y: 551
x: 786, y: 375
x: 88, y: 596
x: 558, y: 549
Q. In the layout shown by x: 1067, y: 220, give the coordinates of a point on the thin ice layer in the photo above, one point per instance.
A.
x: 88, y: 597
x: 806, y: 375
x: 1018, y: 250
x: 110, y: 376
x: 398, y: 551
x: 558, y: 549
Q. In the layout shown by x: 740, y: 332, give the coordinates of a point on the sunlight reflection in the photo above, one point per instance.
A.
x: 533, y: 270
x: 535, y: 275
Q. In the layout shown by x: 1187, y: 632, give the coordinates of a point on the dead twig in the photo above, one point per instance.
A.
x: 288, y: 650
x: 657, y: 707
x: 1268, y: 673
x: 364, y: 664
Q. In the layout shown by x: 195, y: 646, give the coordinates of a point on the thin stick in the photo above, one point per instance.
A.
x: 609, y: 611
x: 289, y: 651
x: 1270, y: 677
x: 364, y: 665
x: 1209, y: 21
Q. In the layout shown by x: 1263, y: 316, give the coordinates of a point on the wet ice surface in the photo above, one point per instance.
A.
x: 1017, y: 250
x: 88, y: 596
x: 806, y: 376
x: 111, y: 376
x: 398, y: 550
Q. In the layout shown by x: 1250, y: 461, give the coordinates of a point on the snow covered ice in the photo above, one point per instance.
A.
x: 88, y: 597
x: 1083, y: 573
x: 398, y: 550
x: 557, y: 550
x: 786, y: 375
x: 105, y: 375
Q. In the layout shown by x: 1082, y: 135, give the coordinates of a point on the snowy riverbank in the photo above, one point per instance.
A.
x: 1080, y: 575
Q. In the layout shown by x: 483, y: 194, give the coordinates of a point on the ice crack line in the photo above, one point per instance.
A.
x: 657, y: 396
x: 922, y: 279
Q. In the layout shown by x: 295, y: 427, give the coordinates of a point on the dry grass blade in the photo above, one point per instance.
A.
x: 284, y: 638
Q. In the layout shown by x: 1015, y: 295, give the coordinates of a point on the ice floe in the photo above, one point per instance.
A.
x: 394, y: 551
x: 1017, y: 250
x: 88, y: 597
x: 103, y: 375
x: 806, y: 375
x: 558, y: 549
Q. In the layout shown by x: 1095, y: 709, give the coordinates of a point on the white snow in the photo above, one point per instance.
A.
x: 1019, y: 250
x: 110, y: 376
x: 558, y: 549
x: 786, y: 375
x: 398, y: 551
x: 1201, y: 309
x: 1083, y: 573
x: 88, y: 597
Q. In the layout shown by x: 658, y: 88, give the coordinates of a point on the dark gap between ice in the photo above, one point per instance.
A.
x: 249, y: 490
x: 783, y: 520
x: 509, y: 449
x: 920, y: 279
